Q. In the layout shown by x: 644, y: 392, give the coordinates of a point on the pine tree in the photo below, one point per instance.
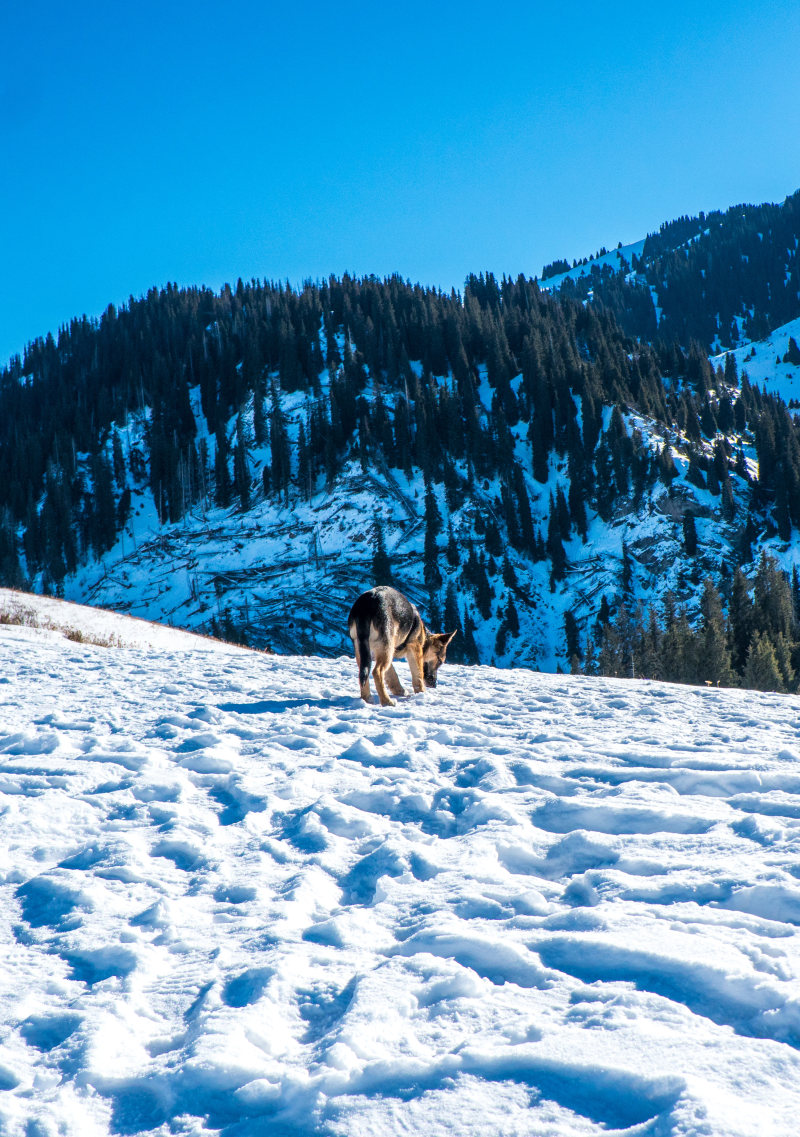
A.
x: 773, y: 610
x: 241, y: 467
x: 572, y: 636
x: 470, y: 648
x: 120, y: 473
x: 523, y: 511
x: 793, y: 352
x: 562, y: 514
x: 483, y: 589
x: 280, y: 453
x: 105, y: 509
x: 433, y: 526
x: 222, y: 477
x: 304, y: 463
x: 555, y: 551
x: 761, y: 672
x: 256, y: 383
x: 666, y: 463
x: 678, y: 649
x: 713, y: 653
x: 783, y: 657
x: 11, y: 575
x: 381, y: 565
x: 457, y: 651
x: 626, y: 577
x: 605, y: 491
x: 742, y: 620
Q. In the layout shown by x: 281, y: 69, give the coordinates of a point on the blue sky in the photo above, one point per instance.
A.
x: 201, y: 142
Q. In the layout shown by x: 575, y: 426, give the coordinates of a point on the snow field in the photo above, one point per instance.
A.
x: 236, y: 899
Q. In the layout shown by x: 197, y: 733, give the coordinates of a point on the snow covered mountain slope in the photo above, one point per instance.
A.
x: 237, y: 900
x: 618, y: 260
x: 765, y: 364
x: 287, y: 572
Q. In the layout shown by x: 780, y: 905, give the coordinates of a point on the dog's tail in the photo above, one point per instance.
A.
x: 359, y: 630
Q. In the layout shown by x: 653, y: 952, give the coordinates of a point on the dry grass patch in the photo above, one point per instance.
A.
x: 18, y: 615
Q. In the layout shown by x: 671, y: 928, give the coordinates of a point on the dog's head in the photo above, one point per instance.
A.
x: 433, y: 655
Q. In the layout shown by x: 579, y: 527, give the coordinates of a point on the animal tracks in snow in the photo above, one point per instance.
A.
x: 235, y: 899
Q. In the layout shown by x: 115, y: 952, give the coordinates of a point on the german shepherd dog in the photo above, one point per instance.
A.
x: 382, y: 625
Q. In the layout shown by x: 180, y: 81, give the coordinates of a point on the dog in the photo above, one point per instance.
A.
x: 383, y: 624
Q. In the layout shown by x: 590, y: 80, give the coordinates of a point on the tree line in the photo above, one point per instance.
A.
x: 749, y: 637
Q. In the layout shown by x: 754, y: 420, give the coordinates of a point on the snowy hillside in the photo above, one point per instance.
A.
x: 618, y: 260
x: 765, y: 364
x: 287, y: 571
x: 236, y: 899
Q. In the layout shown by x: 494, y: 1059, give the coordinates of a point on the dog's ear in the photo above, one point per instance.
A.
x: 448, y: 636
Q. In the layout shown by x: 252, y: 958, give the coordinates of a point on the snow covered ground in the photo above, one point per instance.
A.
x: 236, y: 899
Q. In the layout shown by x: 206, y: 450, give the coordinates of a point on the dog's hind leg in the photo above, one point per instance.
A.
x: 382, y: 664
x: 393, y: 682
x: 363, y: 660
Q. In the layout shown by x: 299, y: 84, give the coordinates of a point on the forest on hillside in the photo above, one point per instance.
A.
x: 721, y: 278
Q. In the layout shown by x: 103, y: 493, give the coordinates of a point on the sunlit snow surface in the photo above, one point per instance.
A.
x: 236, y: 899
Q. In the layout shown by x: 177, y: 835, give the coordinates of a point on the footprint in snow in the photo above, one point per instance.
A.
x: 46, y: 1032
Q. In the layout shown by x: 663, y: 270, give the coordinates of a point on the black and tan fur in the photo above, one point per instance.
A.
x: 384, y: 625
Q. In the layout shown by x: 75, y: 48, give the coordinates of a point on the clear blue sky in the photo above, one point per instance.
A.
x: 152, y: 142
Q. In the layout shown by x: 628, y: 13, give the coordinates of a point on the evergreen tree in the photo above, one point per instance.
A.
x: 241, y: 467
x: 483, y: 589
x: 120, y: 473
x: 793, y: 352
x: 222, y: 477
x: 260, y: 433
x: 562, y: 514
x: 280, y: 452
x: 470, y: 648
x: 104, y: 527
x: 10, y: 568
x: 713, y: 653
x: 742, y: 620
x: 626, y: 578
x: 605, y: 490
x: 572, y: 636
x: 381, y: 565
x: 457, y: 652
x: 433, y: 526
x: 761, y: 671
x: 555, y: 551
x: 678, y: 650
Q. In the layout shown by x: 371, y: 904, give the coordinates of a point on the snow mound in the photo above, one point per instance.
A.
x: 237, y: 900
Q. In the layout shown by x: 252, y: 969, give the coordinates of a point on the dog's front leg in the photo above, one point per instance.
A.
x: 414, y: 658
